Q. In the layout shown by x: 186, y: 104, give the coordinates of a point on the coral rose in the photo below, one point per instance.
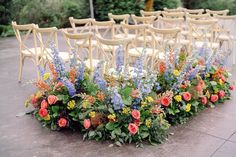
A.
x: 44, y: 104
x: 165, y: 101
x: 58, y: 85
x: 199, y: 88
x: 135, y: 114
x: 133, y: 128
x: 52, y: 99
x: 137, y: 122
x: 221, y: 93
x: 204, y: 100
x: 135, y: 93
x: 87, y: 123
x: 43, y: 112
x: 34, y: 99
x: 62, y: 122
x: 231, y: 87
x: 214, y: 98
x: 186, y: 96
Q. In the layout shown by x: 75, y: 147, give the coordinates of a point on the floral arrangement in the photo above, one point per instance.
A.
x: 125, y: 108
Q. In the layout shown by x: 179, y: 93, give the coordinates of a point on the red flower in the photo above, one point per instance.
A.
x: 43, y: 112
x: 52, y: 99
x: 137, y: 122
x: 165, y: 101
x: 135, y: 114
x: 62, y: 122
x: 87, y: 123
x: 204, y: 100
x: 133, y: 128
x: 221, y: 93
x: 44, y: 104
x: 231, y: 87
x: 214, y: 98
x: 34, y: 99
x: 186, y: 96
x: 162, y: 67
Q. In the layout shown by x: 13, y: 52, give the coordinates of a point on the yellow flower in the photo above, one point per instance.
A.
x: 178, y: 98
x: 207, y: 75
x: 126, y: 110
x: 71, y: 104
x: 143, y: 103
x: 149, y: 99
x: 92, y: 114
x: 47, y: 117
x: 188, y: 107
x: 148, y: 123
x: 208, y: 94
x: 176, y: 72
x: 221, y: 82
x: 216, y: 90
x: 112, y: 117
x: 85, y: 104
x: 46, y: 76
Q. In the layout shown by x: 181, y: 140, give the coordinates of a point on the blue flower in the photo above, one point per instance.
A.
x: 98, y: 79
x: 116, y: 100
x: 73, y: 59
x: 81, y: 69
x: 70, y: 87
x: 119, y: 59
x: 136, y: 103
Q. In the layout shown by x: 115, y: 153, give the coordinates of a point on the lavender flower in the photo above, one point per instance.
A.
x: 73, y: 59
x: 81, y: 69
x: 98, y: 79
x: 70, y: 87
x: 41, y: 70
x: 116, y: 100
x: 119, y: 59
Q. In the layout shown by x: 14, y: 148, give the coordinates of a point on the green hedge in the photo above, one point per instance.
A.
x: 160, y: 4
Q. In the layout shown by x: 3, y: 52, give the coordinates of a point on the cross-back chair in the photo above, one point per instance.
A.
x: 27, y: 45
x: 179, y: 9
x: 198, y: 16
x: 105, y: 29
x: 217, y: 12
x: 194, y: 11
x: 173, y: 14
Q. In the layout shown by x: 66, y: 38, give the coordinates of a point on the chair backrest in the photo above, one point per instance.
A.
x: 81, y: 25
x: 217, y: 12
x: 119, y: 18
x: 194, y: 11
x: 171, y: 22
x: 198, y: 16
x: 143, y: 20
x: 44, y: 37
x: 226, y: 24
x: 173, y: 14
x: 23, y: 35
x: 79, y: 42
x: 105, y: 29
x: 107, y: 48
x: 202, y: 30
x: 150, y: 13
x: 179, y: 9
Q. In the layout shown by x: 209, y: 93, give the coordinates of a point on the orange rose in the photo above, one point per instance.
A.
x: 62, y: 122
x: 34, y: 99
x: 133, y: 129
x: 52, y: 99
x: 43, y: 112
x: 44, y: 104
x: 135, y: 93
x: 165, y: 101
x: 186, y: 96
x: 135, y: 114
x: 87, y: 123
x: 214, y: 98
x: 204, y: 100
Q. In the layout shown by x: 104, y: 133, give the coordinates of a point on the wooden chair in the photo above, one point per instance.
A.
x: 217, y: 12
x: 85, y: 45
x: 198, y: 16
x: 27, y: 45
x: 118, y: 31
x: 165, y: 43
x: 179, y: 9
x: 150, y: 13
x: 143, y: 20
x: 173, y: 14
x: 202, y: 32
x: 194, y: 11
x: 104, y: 29
x: 44, y: 37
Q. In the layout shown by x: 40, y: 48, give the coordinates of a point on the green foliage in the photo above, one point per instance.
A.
x: 103, y: 7
x: 6, y: 30
x: 160, y: 4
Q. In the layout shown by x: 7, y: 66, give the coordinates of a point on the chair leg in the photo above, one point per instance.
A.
x: 21, y: 68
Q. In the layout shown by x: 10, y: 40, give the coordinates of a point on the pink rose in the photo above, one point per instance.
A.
x: 221, y: 93
x: 52, y: 99
x: 34, y: 100
x: 199, y: 88
x: 133, y: 129
x: 135, y: 114
x: 137, y: 122
x: 43, y: 112
x: 62, y: 122
x: 44, y: 104
x: 58, y: 85
x: 87, y: 123
x: 214, y: 98
x: 186, y: 96
x: 165, y: 101
x: 204, y: 100
x: 231, y: 87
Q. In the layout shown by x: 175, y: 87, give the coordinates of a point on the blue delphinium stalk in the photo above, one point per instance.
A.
x: 138, y: 69
x: 98, y: 78
x: 119, y: 59
x: 81, y: 69
x: 57, y: 61
x: 70, y: 86
x: 41, y: 71
x: 73, y: 59
x: 116, y: 100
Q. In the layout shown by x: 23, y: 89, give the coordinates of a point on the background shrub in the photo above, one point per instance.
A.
x: 160, y: 4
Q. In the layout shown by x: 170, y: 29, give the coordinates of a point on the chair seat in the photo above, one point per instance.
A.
x: 199, y: 44
x: 86, y: 44
x: 184, y: 32
x: 195, y: 35
x: 136, y: 52
x: 63, y: 55
x: 224, y: 37
x: 94, y: 62
x: 184, y: 42
x: 121, y: 36
x: 31, y: 52
x: 148, y: 38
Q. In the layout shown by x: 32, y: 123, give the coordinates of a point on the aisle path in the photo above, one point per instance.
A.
x: 210, y: 134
